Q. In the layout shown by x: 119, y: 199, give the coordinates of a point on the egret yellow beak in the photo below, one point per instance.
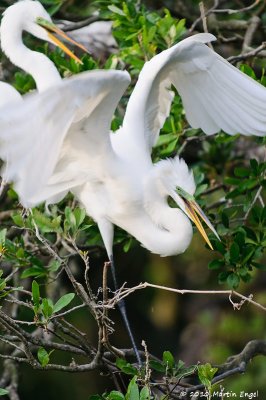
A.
x: 193, y: 211
x: 50, y: 27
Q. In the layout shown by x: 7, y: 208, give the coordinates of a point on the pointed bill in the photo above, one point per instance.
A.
x: 50, y: 27
x: 204, y: 217
x: 194, y: 211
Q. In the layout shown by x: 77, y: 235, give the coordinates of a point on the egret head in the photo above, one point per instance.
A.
x: 30, y: 16
x: 177, y: 181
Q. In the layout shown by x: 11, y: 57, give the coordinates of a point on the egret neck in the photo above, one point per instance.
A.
x: 36, y: 64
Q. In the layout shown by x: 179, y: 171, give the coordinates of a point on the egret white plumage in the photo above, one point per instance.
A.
x: 112, y: 175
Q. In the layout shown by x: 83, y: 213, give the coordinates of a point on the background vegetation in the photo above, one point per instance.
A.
x: 53, y: 286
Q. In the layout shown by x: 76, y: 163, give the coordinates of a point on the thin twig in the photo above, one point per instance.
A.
x: 72, y: 26
x: 249, y: 54
x: 68, y: 311
x: 208, y: 12
x: 232, y: 11
x: 257, y: 195
x: 204, y: 20
x: 125, y: 292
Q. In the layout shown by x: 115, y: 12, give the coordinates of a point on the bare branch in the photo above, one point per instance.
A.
x: 232, y: 11
x: 125, y: 292
x: 72, y: 26
x: 259, y: 51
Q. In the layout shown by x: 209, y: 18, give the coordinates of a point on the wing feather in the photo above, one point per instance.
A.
x: 216, y: 96
x: 33, y: 134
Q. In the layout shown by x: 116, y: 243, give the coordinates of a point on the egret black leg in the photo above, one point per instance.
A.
x: 122, y: 308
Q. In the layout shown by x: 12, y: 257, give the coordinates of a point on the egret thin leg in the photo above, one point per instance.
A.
x: 122, y: 308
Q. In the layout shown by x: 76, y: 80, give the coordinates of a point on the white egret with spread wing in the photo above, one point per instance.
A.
x: 112, y: 175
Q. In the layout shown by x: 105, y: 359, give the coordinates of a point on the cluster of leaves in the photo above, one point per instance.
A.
x: 133, y: 393
x: 206, y: 374
x: 141, y: 33
x: 44, y: 308
x: 172, y: 373
x: 241, y: 226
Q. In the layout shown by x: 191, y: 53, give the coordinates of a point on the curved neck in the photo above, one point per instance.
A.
x: 163, y: 230
x: 36, y: 64
x: 169, y: 235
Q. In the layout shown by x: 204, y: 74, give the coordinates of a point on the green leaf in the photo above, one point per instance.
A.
x: 157, y: 366
x: 3, y: 236
x: 35, y: 293
x: 145, y: 393
x: 216, y: 264
x: 222, y: 230
x: 70, y: 219
x: 2, y: 283
x: 233, y: 181
x: 248, y: 70
x: 115, y: 395
x: 46, y: 224
x: 200, y: 189
x: 133, y: 390
x: 116, y: 10
x: 180, y: 365
x: 20, y: 253
x: 63, y: 301
x: 54, y: 265
x: 234, y: 252
x: 165, y: 139
x: 219, y: 246
x: 126, y: 367
x: 127, y: 245
x: 206, y: 373
x: 254, y: 164
x: 241, y: 172
x: 225, y: 219
x: 233, y: 280
x: 3, y: 392
x: 240, y: 239
x: 180, y: 373
x: 168, y: 359
x: 80, y: 215
x: 33, y: 271
x: 261, y: 267
x: 47, y: 308
x: 52, y: 10
x: 223, y: 276
x: 120, y: 363
x: 43, y: 357
x: 248, y: 184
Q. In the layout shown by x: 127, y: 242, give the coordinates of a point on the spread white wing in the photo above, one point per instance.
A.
x: 8, y: 94
x: 216, y: 96
x: 33, y: 133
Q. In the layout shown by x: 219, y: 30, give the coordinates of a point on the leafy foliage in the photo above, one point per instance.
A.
x: 230, y: 189
x: 44, y: 308
x: 138, y: 389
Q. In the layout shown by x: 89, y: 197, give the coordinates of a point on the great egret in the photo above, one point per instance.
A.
x: 112, y: 175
